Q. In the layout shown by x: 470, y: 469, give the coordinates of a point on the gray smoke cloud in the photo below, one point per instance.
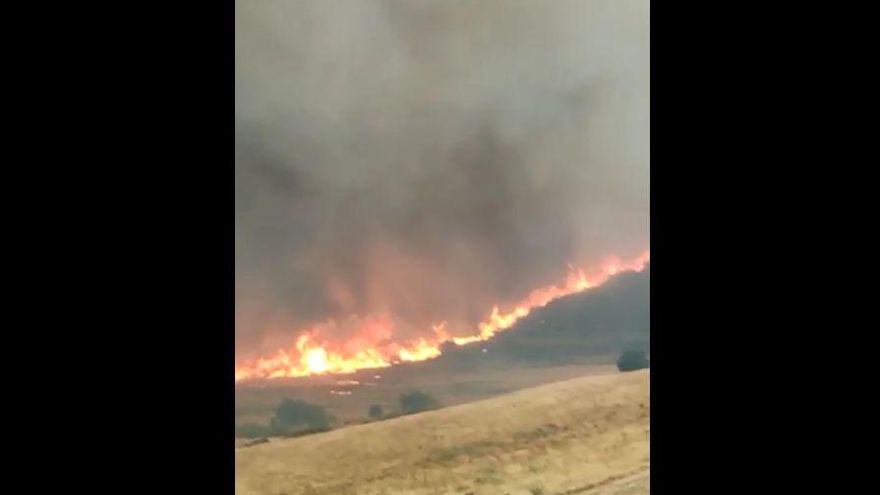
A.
x: 427, y: 159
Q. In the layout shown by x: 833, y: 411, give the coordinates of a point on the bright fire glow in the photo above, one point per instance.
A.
x: 312, y: 356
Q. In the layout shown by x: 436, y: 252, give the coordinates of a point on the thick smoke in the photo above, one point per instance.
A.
x: 426, y: 159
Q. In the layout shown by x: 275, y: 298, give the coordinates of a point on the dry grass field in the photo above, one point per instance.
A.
x: 586, y: 435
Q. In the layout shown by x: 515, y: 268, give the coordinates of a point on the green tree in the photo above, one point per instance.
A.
x: 632, y: 360
x: 295, y: 413
x: 416, y: 401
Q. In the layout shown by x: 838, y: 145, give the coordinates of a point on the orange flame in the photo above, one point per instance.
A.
x: 312, y: 357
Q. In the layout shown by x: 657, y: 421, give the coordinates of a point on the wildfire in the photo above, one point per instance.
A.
x: 312, y: 356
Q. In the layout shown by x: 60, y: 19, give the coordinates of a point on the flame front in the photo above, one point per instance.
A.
x: 313, y: 356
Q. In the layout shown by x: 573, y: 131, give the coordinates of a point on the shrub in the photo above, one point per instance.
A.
x: 632, y: 360
x: 375, y: 411
x: 416, y: 401
x: 298, y: 414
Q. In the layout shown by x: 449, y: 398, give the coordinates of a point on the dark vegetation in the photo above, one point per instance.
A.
x: 293, y: 417
x: 295, y: 413
x: 375, y: 411
x: 633, y: 360
x: 417, y: 401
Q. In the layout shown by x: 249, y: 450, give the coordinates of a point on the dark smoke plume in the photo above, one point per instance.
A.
x: 427, y: 159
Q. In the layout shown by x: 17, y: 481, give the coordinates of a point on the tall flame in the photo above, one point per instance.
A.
x: 311, y: 356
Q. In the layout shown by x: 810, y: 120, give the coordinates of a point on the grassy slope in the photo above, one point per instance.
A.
x: 585, y: 435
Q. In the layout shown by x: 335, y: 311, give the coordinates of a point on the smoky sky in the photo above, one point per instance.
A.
x: 426, y: 159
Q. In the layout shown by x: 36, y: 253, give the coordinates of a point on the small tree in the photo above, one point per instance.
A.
x: 632, y: 360
x: 295, y: 413
x: 375, y: 411
x: 416, y: 401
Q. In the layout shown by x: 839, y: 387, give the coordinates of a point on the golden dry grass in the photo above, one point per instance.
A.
x: 586, y: 435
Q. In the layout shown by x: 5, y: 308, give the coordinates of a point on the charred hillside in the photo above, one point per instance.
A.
x: 605, y: 320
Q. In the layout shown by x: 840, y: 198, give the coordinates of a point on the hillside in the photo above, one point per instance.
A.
x: 573, y: 336
x: 585, y: 435
x: 604, y: 320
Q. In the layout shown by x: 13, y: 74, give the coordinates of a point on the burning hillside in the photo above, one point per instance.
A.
x: 373, y: 344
